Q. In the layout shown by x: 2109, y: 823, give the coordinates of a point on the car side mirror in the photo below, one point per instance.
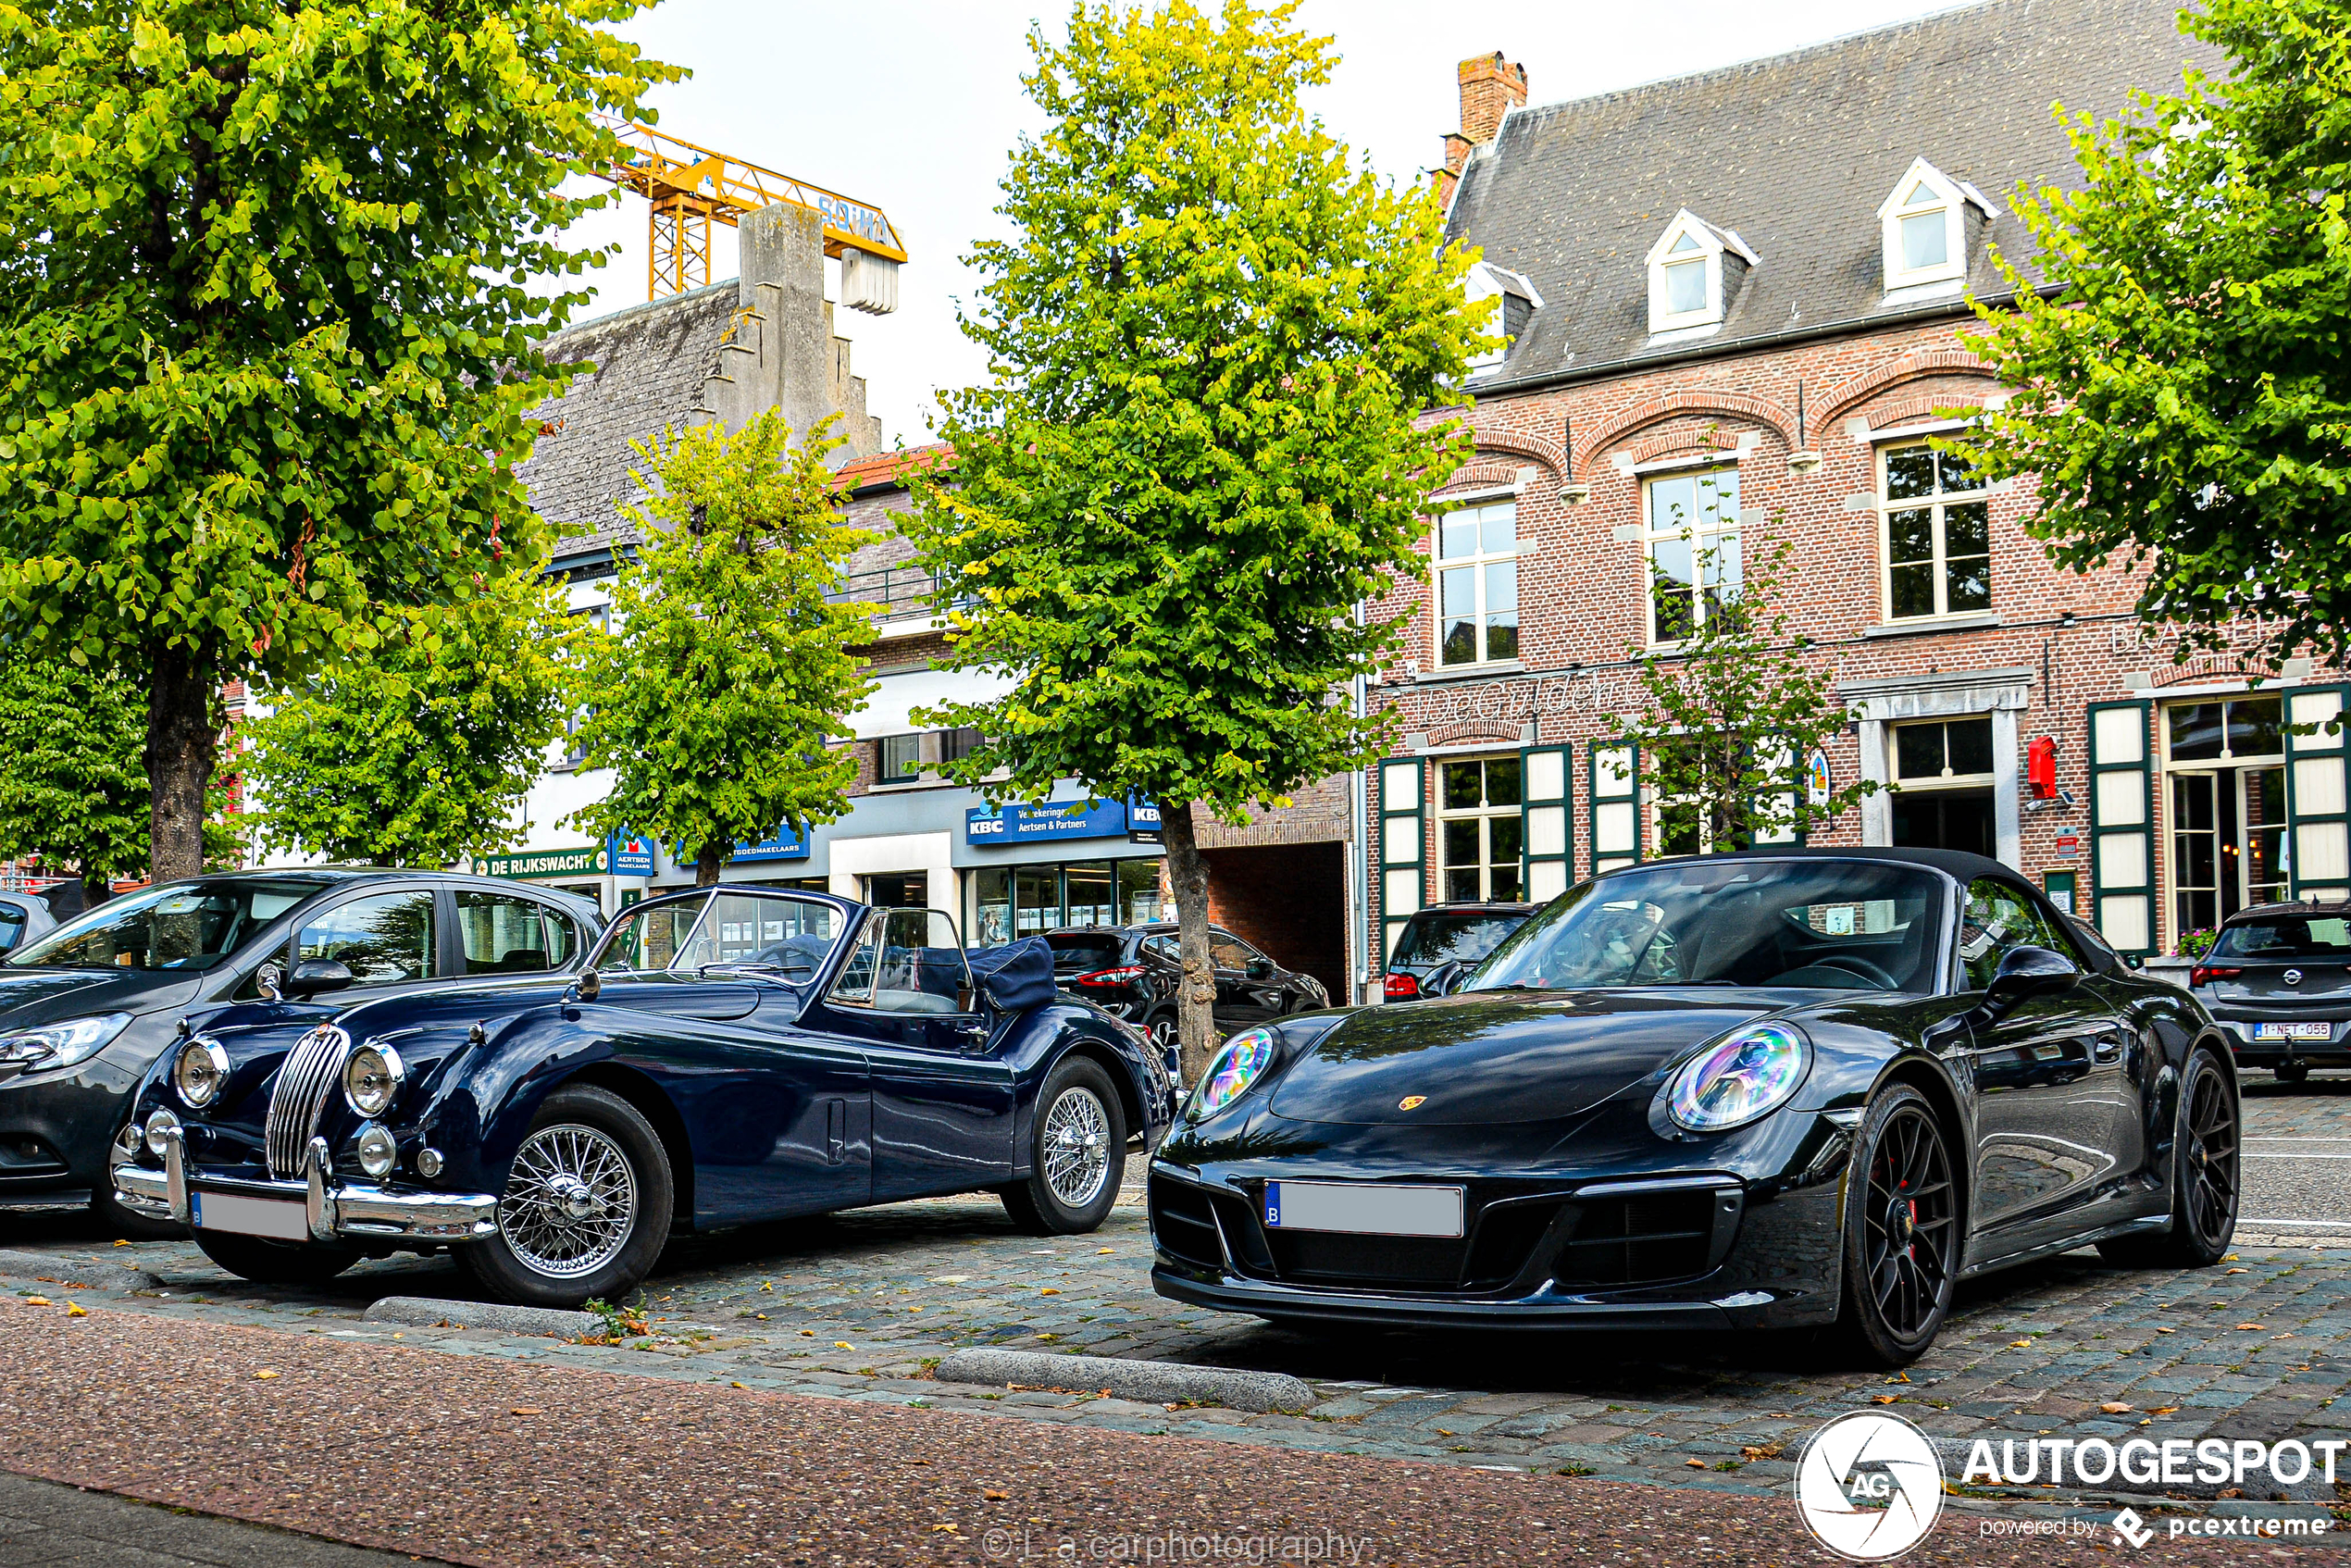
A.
x: 1443, y: 979
x: 2028, y: 972
x: 1260, y: 969
x: 314, y: 974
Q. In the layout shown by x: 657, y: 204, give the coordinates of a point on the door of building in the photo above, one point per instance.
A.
x: 2228, y: 809
x: 899, y: 889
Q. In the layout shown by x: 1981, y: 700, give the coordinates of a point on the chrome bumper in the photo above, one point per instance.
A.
x: 358, y: 1209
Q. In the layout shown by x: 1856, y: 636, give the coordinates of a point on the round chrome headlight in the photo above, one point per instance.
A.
x: 159, y: 1126
x: 1240, y: 1064
x: 371, y: 1078
x: 202, y: 1068
x: 377, y: 1152
x: 1743, y: 1076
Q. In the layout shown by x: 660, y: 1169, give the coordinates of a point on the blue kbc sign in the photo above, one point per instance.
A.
x: 1029, y: 823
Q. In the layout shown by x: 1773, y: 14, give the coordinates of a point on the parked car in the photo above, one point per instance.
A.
x: 733, y: 1054
x: 1776, y: 1088
x: 1130, y: 972
x: 2278, y: 977
x: 23, y: 917
x: 1447, y: 933
x: 86, y: 1009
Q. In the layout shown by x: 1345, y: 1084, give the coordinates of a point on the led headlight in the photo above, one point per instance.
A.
x: 377, y: 1152
x: 1745, y: 1075
x: 202, y: 1068
x: 61, y: 1045
x: 371, y: 1078
x: 1242, y: 1061
x: 159, y: 1126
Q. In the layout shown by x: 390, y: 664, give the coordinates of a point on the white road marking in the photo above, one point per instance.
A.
x: 2300, y: 1224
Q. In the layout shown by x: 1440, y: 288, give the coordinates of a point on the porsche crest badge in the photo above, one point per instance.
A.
x: 1412, y: 1101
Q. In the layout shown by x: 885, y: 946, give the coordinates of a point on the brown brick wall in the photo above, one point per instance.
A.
x: 1289, y: 901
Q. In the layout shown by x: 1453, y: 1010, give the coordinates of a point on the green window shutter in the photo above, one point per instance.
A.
x: 1615, y: 790
x: 1547, y: 822
x: 1404, y: 794
x: 2319, y: 859
x: 2122, y: 826
x: 1786, y: 765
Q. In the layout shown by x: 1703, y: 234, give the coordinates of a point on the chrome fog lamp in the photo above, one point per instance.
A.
x: 377, y: 1152
x: 202, y: 1068
x: 159, y: 1128
x: 371, y: 1078
x: 429, y: 1162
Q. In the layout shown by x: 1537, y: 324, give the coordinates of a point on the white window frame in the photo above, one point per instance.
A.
x: 1478, y: 563
x: 1702, y: 538
x: 1712, y: 244
x: 1484, y: 815
x: 1939, y: 503
x: 1945, y: 780
x: 1947, y: 197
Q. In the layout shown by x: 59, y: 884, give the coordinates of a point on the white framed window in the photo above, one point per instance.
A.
x: 1687, y: 269
x: 1924, y: 226
x: 1480, y: 828
x: 1935, y: 533
x: 1477, y: 584
x: 1691, y: 542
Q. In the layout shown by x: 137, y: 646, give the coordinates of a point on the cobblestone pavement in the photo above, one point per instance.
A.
x: 862, y: 1305
x: 44, y: 1525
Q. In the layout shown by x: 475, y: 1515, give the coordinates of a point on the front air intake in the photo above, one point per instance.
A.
x: 304, y: 1080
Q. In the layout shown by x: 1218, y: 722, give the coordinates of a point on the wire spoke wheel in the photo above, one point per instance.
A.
x: 1077, y: 1144
x: 571, y: 1201
x: 1908, y: 1219
x: 2211, y: 1152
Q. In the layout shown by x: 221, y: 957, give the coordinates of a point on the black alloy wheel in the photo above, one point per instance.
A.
x: 1901, y: 1231
x: 2205, y: 1186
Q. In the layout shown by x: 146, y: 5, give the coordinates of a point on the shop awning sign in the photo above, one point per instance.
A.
x: 783, y: 844
x: 1029, y: 822
x: 526, y: 865
x: 632, y: 857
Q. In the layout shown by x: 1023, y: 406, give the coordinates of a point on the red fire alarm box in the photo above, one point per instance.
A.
x: 2040, y: 768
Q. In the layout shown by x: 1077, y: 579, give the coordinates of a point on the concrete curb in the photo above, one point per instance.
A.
x: 102, y: 1273
x: 1153, y: 1382
x: 424, y: 1312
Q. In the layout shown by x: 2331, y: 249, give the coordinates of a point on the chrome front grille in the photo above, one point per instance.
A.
x: 304, y: 1080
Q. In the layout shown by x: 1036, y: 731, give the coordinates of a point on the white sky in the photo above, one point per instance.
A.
x: 914, y: 105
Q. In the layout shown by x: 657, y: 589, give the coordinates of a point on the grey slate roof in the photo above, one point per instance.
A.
x: 1795, y: 152
x: 651, y: 361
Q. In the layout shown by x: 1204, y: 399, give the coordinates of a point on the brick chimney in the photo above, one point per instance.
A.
x: 1490, y: 86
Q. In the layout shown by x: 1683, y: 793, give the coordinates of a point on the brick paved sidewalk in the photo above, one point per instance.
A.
x: 44, y: 1524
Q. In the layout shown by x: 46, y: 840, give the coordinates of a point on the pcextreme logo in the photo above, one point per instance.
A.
x: 1869, y: 1486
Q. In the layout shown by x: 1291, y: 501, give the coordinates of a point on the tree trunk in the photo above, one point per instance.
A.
x: 96, y: 889
x: 1196, y: 993
x: 181, y: 744
x: 706, y: 865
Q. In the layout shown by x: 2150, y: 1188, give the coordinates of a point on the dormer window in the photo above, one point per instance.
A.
x: 1694, y: 267
x: 1924, y: 226
x: 1517, y: 302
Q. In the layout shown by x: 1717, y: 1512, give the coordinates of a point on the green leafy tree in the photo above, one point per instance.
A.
x: 2185, y: 404
x: 72, y: 790
x: 729, y: 669
x: 1213, y: 337
x: 419, y: 753
x: 1731, y: 716
x: 266, y: 354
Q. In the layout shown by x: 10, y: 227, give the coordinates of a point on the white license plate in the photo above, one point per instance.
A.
x: 2293, y: 1031
x: 272, y: 1218
x: 1363, y: 1208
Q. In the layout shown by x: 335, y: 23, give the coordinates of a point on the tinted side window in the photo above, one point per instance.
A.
x: 1228, y: 951
x: 383, y: 940
x: 511, y: 936
x: 1998, y: 919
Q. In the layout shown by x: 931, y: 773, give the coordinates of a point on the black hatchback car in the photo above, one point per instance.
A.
x: 1130, y: 972
x: 1447, y: 933
x: 2278, y: 978
x: 86, y: 1009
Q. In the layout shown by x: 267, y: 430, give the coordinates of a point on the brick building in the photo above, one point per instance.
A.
x: 1737, y: 303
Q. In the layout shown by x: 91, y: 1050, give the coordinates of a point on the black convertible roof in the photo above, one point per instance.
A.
x: 1959, y: 864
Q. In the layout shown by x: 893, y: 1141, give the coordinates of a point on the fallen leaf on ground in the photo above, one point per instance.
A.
x: 843, y: 1344
x: 1104, y: 1251
x: 808, y: 1333
x: 1694, y: 1463
x: 265, y: 1373
x: 1049, y: 1291
x: 2252, y: 1325
x: 2020, y: 1344
x: 2115, y: 1407
x: 526, y: 1410
x: 38, y: 1301
x: 73, y: 1309
x: 2239, y: 1271
x: 993, y: 1496
x: 122, y: 1243
x: 1884, y: 1398
x: 2167, y: 1331
x: 2163, y: 1409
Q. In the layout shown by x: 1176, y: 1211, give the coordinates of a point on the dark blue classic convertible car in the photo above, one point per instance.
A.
x: 1767, y: 1089
x: 729, y: 1056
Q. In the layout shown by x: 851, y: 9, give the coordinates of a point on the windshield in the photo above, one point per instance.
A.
x: 1431, y: 940
x: 1820, y: 924
x: 2285, y: 937
x: 178, y: 926
x: 790, y: 936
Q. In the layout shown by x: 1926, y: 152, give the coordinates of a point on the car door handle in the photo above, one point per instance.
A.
x: 2107, y: 1048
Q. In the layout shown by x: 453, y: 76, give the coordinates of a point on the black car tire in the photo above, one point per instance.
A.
x: 547, y: 1255
x: 273, y: 1263
x: 1072, y: 1181
x: 2205, y: 1177
x: 1902, y: 1232
x: 2294, y: 1073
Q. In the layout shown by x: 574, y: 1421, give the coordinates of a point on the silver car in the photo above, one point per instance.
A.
x: 2278, y: 978
x: 22, y: 917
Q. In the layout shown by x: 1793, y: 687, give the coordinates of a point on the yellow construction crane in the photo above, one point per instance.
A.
x: 689, y: 187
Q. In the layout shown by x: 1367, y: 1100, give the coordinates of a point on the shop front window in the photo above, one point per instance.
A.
x: 2227, y: 785
x: 1479, y: 826
x: 1010, y: 902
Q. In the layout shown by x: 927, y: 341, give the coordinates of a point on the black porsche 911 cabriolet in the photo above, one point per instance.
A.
x: 1774, y: 1089
x: 728, y: 1056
